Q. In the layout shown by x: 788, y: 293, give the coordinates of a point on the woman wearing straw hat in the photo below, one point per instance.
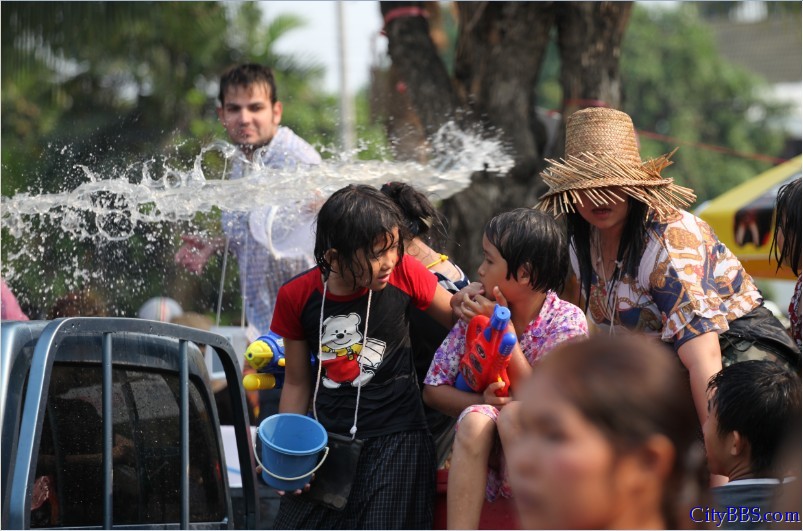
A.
x: 646, y: 265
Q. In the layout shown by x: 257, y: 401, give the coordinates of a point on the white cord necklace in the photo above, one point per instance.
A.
x: 610, y: 307
x: 353, y: 430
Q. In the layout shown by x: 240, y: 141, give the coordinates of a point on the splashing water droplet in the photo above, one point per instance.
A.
x: 112, y: 208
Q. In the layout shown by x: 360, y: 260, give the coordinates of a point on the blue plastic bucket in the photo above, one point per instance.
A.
x: 291, y: 445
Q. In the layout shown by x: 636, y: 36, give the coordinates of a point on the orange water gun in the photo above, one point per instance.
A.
x: 488, y: 350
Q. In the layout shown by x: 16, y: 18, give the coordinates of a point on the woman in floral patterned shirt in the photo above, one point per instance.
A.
x: 645, y: 265
x: 525, y: 262
x: 786, y: 245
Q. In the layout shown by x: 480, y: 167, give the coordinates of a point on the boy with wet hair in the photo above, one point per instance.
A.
x: 524, y: 265
x: 752, y: 409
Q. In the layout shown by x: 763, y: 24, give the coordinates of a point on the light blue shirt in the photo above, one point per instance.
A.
x: 262, y: 273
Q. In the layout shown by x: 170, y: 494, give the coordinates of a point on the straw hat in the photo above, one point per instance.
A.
x: 601, y: 152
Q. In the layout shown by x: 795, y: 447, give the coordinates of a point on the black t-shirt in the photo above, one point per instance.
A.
x: 382, y: 364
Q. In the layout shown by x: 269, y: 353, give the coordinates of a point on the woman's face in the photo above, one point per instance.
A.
x: 563, y: 471
x: 611, y: 216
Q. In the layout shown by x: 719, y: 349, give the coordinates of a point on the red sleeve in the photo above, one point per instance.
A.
x: 287, y: 312
x: 416, y: 280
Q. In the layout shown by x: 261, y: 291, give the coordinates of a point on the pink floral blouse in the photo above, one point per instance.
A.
x: 558, y: 321
x: 794, y: 313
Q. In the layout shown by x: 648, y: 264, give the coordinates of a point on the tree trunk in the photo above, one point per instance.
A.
x: 500, y: 48
x: 419, y: 66
x: 590, y: 38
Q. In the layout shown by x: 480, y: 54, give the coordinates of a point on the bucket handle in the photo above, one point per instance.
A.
x: 325, y: 454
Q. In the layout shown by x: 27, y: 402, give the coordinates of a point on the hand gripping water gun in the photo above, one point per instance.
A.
x: 488, y: 349
x: 266, y: 356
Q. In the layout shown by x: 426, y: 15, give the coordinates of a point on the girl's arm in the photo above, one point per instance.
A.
x: 452, y: 401
x: 518, y: 369
x: 296, y: 392
x: 440, y: 309
x: 702, y: 358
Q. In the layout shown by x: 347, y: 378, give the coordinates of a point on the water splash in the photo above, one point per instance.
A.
x: 133, y: 217
x: 169, y: 194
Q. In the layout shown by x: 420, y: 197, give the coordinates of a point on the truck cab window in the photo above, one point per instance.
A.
x: 146, y: 453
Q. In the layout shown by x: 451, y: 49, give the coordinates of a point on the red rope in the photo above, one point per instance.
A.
x: 577, y: 102
x: 711, y: 147
x: 400, y: 12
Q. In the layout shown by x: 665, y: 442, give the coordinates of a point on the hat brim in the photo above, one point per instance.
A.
x: 595, y: 174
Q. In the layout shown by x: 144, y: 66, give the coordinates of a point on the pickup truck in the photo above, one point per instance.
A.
x: 111, y: 422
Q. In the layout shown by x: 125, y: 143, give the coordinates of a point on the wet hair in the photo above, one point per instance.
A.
x: 246, y: 75
x: 632, y: 388
x: 631, y: 244
x: 533, y: 239
x: 759, y: 399
x: 352, y: 220
x: 787, y: 221
x: 421, y: 216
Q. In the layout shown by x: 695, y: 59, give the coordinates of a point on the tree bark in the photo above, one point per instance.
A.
x: 419, y: 66
x: 590, y: 38
x: 500, y: 48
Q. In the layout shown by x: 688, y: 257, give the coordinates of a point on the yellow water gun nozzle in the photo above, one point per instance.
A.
x: 259, y: 382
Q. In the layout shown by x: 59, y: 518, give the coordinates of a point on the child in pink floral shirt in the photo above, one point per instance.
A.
x: 525, y: 262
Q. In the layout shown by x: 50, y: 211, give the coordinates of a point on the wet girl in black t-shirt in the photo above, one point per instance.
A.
x: 353, y: 310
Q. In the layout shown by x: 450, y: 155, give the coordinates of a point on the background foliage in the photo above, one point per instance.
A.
x: 115, y: 85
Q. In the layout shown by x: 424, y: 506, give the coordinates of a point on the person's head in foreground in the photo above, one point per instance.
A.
x: 609, y: 439
x: 359, y: 239
x: 752, y: 406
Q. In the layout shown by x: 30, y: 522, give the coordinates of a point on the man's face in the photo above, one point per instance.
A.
x: 248, y: 115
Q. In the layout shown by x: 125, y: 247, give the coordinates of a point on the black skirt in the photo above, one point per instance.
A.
x: 394, y: 488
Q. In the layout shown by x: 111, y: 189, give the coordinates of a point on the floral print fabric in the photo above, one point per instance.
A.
x: 557, y: 322
x: 688, y: 283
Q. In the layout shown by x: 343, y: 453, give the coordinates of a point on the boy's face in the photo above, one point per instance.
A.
x: 715, y: 445
x: 493, y: 270
x: 249, y: 117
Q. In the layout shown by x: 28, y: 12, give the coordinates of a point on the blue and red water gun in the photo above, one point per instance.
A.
x: 488, y: 349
